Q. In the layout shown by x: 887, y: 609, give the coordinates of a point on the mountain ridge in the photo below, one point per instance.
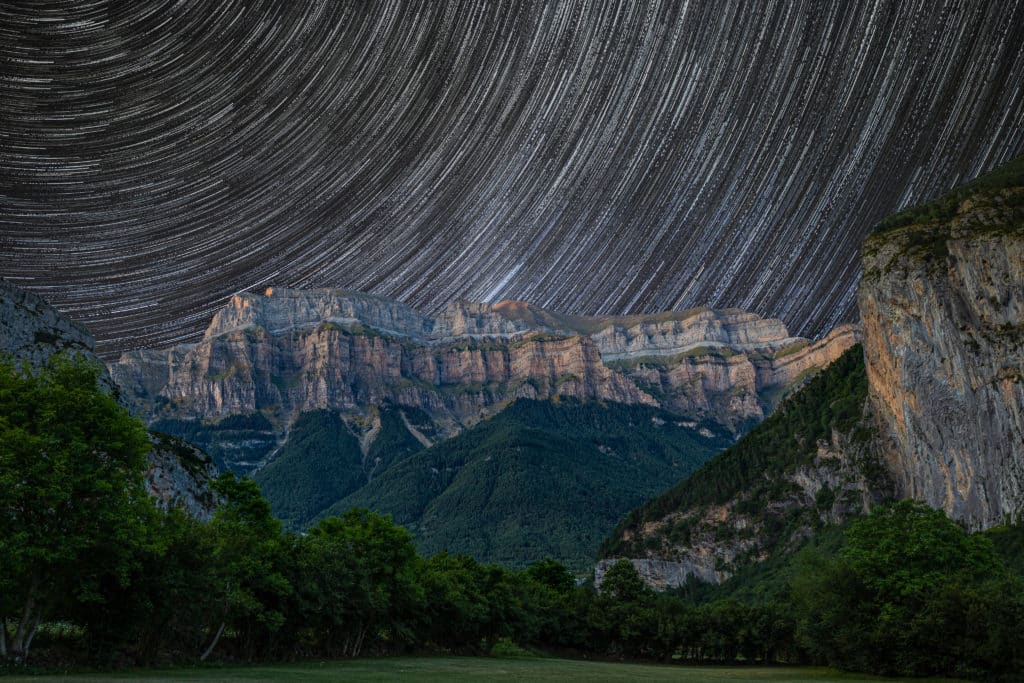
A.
x: 285, y: 352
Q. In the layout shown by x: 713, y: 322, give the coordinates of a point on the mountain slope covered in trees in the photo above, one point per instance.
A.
x: 541, y: 478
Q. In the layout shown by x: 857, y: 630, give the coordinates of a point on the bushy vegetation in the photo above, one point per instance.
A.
x: 541, y: 478
x: 89, y: 563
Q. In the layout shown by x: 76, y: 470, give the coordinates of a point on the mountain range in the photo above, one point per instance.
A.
x: 504, y: 430
x: 512, y: 432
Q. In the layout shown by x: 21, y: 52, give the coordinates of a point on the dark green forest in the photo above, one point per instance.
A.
x: 94, y: 575
x: 540, y: 478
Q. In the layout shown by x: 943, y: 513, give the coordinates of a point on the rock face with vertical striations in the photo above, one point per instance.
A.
x: 942, y: 303
x: 33, y: 331
x: 287, y: 352
x: 933, y: 410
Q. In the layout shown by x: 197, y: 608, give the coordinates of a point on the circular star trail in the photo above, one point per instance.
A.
x: 590, y: 157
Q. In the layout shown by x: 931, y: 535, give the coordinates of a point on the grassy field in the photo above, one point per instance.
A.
x: 468, y: 669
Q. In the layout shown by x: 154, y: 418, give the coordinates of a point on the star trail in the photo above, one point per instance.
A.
x: 591, y: 157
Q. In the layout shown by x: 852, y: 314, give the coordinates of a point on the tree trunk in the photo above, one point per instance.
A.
x: 3, y: 637
x: 213, y: 644
x: 31, y: 634
x: 19, y: 651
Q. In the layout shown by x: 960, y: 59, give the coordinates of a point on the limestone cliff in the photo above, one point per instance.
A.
x: 942, y: 303
x: 285, y: 352
x: 33, y: 331
x: 940, y: 390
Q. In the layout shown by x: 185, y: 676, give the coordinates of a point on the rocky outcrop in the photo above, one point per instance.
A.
x: 33, y: 331
x: 710, y: 542
x: 285, y: 352
x: 732, y: 328
x: 942, y: 305
x: 179, y: 475
x: 737, y: 388
x: 662, y: 575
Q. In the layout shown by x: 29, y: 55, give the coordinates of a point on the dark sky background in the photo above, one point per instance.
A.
x: 591, y: 157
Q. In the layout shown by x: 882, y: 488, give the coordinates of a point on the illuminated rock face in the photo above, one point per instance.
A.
x: 289, y: 351
x: 617, y: 157
x: 943, y: 313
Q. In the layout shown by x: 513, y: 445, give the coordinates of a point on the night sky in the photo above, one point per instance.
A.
x: 590, y: 157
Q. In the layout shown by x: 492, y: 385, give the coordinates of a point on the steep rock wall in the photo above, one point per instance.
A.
x: 942, y: 306
x: 286, y: 351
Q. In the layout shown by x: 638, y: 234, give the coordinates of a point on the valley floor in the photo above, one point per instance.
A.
x: 470, y: 669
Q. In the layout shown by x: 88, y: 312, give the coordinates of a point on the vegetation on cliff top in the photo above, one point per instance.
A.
x: 944, y: 208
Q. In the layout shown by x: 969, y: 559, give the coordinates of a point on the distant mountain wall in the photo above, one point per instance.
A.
x: 286, y: 352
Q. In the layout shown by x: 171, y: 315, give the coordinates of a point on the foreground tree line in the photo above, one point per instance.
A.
x: 88, y: 561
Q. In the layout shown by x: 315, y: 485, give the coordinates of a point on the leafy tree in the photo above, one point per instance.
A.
x: 360, y: 582
x: 470, y: 605
x: 246, y: 546
x: 899, y: 596
x: 167, y: 599
x: 622, y: 582
x: 551, y: 574
x: 72, y: 500
x: 623, y: 616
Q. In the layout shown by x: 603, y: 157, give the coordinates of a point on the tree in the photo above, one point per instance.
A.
x: 72, y: 499
x: 622, y: 582
x: 552, y: 574
x: 249, y: 585
x: 900, y: 595
x: 360, y: 582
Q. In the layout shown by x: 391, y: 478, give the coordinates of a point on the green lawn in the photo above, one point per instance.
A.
x: 467, y: 669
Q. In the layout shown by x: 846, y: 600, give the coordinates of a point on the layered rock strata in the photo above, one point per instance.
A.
x: 285, y: 352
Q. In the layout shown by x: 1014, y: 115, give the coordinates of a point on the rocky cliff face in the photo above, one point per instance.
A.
x: 286, y: 352
x: 31, y: 330
x: 718, y: 539
x: 179, y: 474
x: 942, y: 303
x: 942, y: 379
